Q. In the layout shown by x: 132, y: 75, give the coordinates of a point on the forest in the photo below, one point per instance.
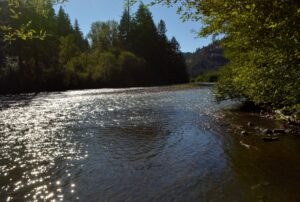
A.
x: 48, y: 52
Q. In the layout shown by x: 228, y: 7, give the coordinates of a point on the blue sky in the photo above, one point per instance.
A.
x: 89, y: 11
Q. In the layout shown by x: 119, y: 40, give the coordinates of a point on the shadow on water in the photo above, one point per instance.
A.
x: 7, y: 101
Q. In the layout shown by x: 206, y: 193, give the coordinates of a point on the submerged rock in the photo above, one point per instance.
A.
x: 259, y: 185
x: 270, y: 139
x: 244, y: 132
x: 257, y: 128
x: 266, y: 183
x: 287, y: 131
x: 250, y: 124
x: 279, y: 131
x: 294, y: 121
x: 266, y: 131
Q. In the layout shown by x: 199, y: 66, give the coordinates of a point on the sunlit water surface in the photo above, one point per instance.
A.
x: 155, y: 144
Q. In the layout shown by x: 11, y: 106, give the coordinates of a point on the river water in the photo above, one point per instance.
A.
x: 152, y: 144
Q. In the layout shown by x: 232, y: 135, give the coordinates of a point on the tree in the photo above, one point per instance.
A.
x: 35, y: 57
x: 3, y: 44
x: 161, y: 27
x: 80, y: 41
x: 151, y: 43
x: 125, y: 30
x: 68, y: 49
x: 64, y: 25
x: 104, y: 35
x: 144, y: 42
x: 133, y: 69
x: 105, y: 68
x: 176, y: 69
x: 145, y: 32
x: 14, y: 9
x: 76, y: 72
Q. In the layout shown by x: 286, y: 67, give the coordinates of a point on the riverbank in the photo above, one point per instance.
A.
x: 256, y: 125
x: 248, y: 107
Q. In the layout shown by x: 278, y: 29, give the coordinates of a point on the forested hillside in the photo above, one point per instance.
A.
x: 49, y: 52
x: 206, y: 59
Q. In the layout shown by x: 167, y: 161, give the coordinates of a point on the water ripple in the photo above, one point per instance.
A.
x: 117, y: 145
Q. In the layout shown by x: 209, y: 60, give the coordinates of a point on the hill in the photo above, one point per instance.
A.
x: 206, y: 59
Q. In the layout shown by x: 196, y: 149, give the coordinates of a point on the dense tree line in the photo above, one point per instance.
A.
x: 51, y: 53
x: 261, y: 41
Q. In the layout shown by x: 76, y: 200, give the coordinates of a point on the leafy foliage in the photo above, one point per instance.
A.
x: 15, y: 27
x: 104, y: 35
x: 211, y: 76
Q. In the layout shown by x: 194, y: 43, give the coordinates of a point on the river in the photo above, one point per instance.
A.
x: 140, y: 144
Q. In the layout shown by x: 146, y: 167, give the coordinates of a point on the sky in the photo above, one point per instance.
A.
x: 89, y: 11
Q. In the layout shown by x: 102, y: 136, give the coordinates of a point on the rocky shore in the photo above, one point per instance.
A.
x: 259, y: 126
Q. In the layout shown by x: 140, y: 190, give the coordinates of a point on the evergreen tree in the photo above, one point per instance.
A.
x: 144, y: 42
x: 68, y: 49
x: 162, y: 30
x: 2, y: 49
x: 176, y: 60
x: 145, y: 32
x: 80, y: 41
x: 3, y: 19
x: 125, y: 33
x: 64, y: 25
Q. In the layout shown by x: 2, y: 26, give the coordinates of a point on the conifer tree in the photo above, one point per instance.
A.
x: 80, y: 41
x: 63, y: 23
x: 125, y: 27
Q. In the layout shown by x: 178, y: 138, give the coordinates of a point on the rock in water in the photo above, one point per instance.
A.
x: 287, y: 131
x: 279, y: 131
x: 270, y: 139
x: 244, y: 132
x: 266, y: 131
x: 250, y: 124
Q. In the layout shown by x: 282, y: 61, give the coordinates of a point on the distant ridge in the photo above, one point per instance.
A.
x: 206, y: 59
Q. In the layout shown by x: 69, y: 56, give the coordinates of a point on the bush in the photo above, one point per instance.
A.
x: 207, y: 77
x: 266, y: 77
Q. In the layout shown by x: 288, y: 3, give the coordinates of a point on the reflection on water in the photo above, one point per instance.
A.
x: 152, y: 144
